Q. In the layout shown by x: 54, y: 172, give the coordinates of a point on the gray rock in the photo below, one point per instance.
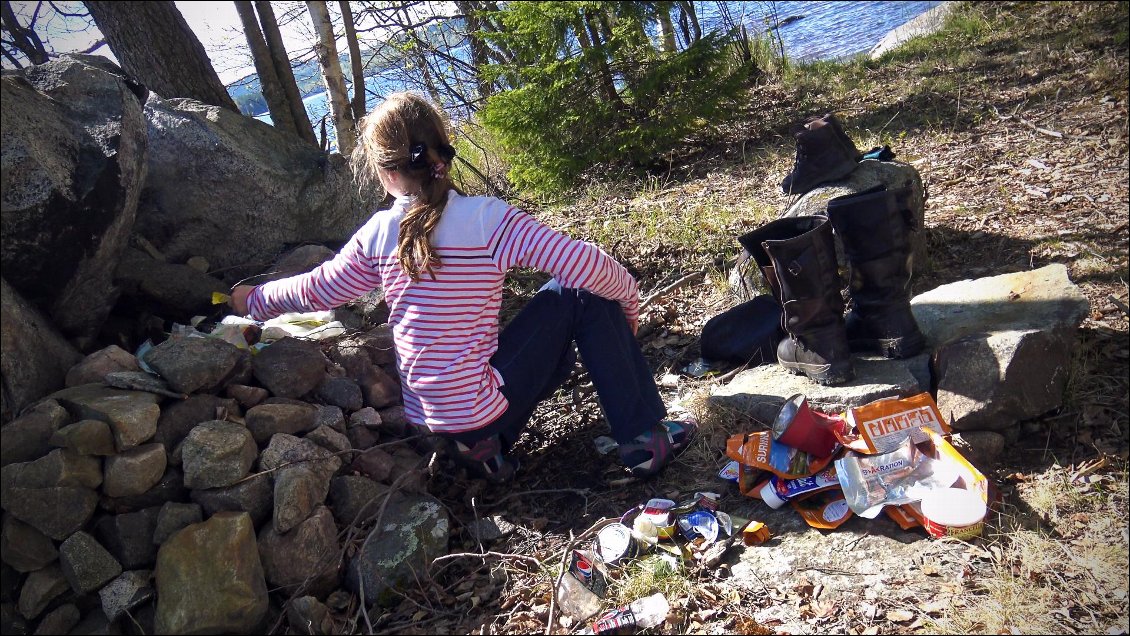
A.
x: 194, y: 364
x: 341, y: 392
x: 285, y: 449
x: 134, y: 471
x: 247, y: 396
x: 210, y: 579
x: 412, y: 532
x: 362, y: 437
x: 308, y: 615
x: 60, y: 467
x: 367, y: 417
x: 299, y: 490
x: 329, y: 439
x: 170, y: 488
x: 253, y: 496
x: 356, y: 499
x: 330, y: 416
x: 132, y: 415
x: 216, y: 177
x: 74, y: 144
x: 378, y: 388
x: 56, y: 512
x: 306, y: 558
x: 40, y: 588
x: 126, y: 592
x: 139, y: 381
x: 96, y: 623
x: 34, y: 356
x: 86, y: 437
x: 217, y: 454
x: 177, y: 289
x: 760, y: 392
x: 199, y: 263
x: 1003, y: 345
x: 129, y: 537
x: 394, y: 420
x: 408, y: 470
x: 86, y: 564
x: 28, y: 437
x: 95, y: 366
x: 299, y: 261
x: 174, y: 516
x: 23, y: 547
x: 58, y: 621
x: 266, y: 420
x: 982, y: 448
x: 374, y: 463
x: 490, y: 529
x: 180, y: 417
x: 290, y: 367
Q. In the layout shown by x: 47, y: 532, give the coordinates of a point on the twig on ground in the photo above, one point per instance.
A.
x: 652, y: 297
x: 324, y: 458
x: 483, y: 555
x: 1120, y: 304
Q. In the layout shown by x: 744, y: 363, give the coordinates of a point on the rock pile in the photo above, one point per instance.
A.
x: 226, y: 487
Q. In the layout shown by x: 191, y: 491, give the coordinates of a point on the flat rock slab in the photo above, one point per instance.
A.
x: 863, y: 564
x: 760, y: 392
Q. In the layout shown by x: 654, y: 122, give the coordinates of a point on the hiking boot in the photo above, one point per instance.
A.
x: 486, y: 459
x: 874, y: 227
x: 823, y: 153
x: 797, y: 256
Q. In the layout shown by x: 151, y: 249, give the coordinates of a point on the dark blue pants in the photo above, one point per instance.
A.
x: 535, y: 356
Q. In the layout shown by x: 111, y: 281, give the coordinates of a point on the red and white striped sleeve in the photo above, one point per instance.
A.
x: 521, y: 240
x: 349, y: 275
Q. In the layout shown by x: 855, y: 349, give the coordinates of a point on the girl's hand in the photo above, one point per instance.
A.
x: 238, y: 299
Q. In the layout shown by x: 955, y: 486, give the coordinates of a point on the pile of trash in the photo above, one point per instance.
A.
x: 694, y: 530
x: 889, y: 456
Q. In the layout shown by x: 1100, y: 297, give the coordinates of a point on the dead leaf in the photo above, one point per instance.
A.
x: 900, y: 615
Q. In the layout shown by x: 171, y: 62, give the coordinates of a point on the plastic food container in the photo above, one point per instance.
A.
x: 953, y: 512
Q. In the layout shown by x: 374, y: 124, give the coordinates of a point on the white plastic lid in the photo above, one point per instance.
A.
x: 770, y: 497
x: 954, y: 507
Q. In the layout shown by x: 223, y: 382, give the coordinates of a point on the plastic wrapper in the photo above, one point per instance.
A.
x: 870, y: 482
x: 759, y: 451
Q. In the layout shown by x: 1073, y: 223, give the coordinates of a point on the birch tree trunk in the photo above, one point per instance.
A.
x: 358, y: 101
x: 666, y: 29
x: 326, y: 51
x: 281, y: 61
x: 281, y: 115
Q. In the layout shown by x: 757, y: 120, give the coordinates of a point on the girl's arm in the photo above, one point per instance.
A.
x: 347, y: 276
x: 521, y: 240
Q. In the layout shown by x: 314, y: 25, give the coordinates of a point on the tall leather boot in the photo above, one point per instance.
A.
x: 797, y: 256
x: 823, y: 153
x: 875, y: 227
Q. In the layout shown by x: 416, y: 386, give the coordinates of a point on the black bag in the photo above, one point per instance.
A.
x: 745, y: 334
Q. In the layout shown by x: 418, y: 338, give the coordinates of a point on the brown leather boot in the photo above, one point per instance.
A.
x: 874, y: 227
x: 823, y: 153
x: 798, y: 258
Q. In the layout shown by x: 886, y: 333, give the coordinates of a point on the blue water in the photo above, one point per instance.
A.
x: 827, y: 31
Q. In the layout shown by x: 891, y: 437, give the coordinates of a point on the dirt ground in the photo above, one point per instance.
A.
x: 1017, y: 120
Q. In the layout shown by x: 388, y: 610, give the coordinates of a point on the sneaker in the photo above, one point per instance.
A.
x: 486, y: 460
x: 650, y: 452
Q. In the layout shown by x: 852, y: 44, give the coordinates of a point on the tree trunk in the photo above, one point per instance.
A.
x: 23, y: 38
x: 273, y: 91
x: 607, y: 85
x: 666, y: 29
x: 470, y: 11
x: 692, y: 16
x: 281, y: 62
x: 154, y: 44
x: 358, y: 101
x: 326, y: 51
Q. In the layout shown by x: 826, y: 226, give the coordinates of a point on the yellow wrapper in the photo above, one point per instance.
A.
x: 219, y: 298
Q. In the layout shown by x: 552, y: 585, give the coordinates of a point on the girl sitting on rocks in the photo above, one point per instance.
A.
x: 441, y: 258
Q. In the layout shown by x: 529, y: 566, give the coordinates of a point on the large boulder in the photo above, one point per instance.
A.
x: 178, y: 290
x: 412, y: 532
x: 1003, y: 345
x: 74, y: 147
x: 194, y: 364
x: 210, y: 579
x: 235, y: 190
x: 34, y: 357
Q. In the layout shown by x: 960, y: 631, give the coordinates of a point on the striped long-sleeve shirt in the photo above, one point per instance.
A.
x: 446, y: 330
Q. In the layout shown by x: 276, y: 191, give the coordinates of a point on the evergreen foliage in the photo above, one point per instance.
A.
x: 589, y: 86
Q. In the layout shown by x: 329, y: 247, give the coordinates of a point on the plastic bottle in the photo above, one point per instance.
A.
x: 777, y: 491
x: 575, y: 599
x: 642, y: 613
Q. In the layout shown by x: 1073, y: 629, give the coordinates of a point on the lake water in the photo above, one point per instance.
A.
x: 815, y: 31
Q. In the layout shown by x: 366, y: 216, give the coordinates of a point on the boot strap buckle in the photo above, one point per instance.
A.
x: 794, y: 268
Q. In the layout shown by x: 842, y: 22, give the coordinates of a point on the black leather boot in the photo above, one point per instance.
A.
x: 798, y: 258
x: 823, y: 153
x: 874, y: 227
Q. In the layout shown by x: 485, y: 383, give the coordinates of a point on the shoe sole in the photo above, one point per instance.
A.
x: 824, y: 374
x: 891, y: 348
